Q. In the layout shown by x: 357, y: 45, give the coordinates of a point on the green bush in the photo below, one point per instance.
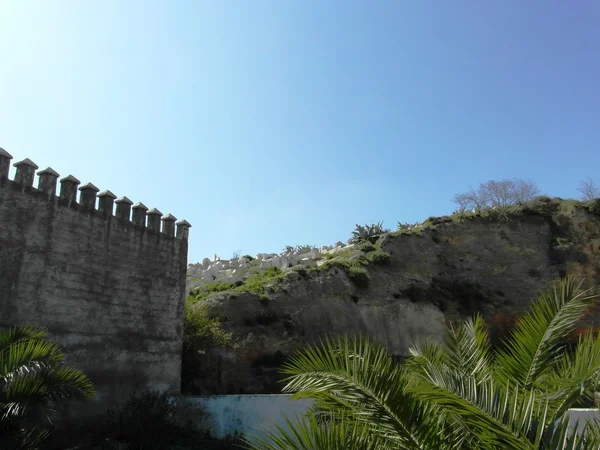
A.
x: 353, y: 269
x: 201, y: 292
x: 438, y: 220
x: 378, y: 257
x: 257, y: 283
x: 542, y: 205
x: 200, y: 333
x: 367, y: 247
x: 200, y: 330
x: 341, y: 254
x: 595, y: 206
x: 561, y: 243
x: 358, y: 276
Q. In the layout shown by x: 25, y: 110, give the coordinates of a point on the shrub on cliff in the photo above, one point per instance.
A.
x: 201, y: 331
x: 33, y: 381
x: 456, y: 394
x: 367, y: 233
x: 200, y: 334
x: 207, y: 289
x: 595, y: 207
x: 378, y: 257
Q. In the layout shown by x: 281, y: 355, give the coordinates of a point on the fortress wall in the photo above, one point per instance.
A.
x: 107, y: 279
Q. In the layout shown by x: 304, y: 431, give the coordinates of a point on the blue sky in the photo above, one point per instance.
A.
x: 273, y: 123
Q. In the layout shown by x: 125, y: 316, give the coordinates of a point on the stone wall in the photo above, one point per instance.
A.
x: 109, y: 287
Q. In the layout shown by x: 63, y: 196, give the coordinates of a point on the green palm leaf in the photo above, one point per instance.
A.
x: 454, y: 394
x: 310, y: 432
x: 14, y: 334
x: 33, y: 380
x: 534, y: 346
x: 575, y: 375
x: 359, y: 378
x: 28, y: 353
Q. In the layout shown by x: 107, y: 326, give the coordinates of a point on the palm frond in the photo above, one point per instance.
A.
x: 468, y: 348
x: 33, y: 379
x: 576, y: 374
x: 28, y: 392
x: 311, y: 433
x: 534, y: 346
x: 26, y: 354
x: 493, y: 416
x: 465, y: 350
x: 14, y: 334
x: 359, y: 377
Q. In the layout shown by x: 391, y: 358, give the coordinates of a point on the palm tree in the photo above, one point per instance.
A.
x: 455, y: 394
x: 33, y: 380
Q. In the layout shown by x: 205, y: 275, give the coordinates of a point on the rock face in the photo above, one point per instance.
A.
x: 447, y: 271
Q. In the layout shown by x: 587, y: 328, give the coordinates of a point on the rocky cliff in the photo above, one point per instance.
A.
x: 442, y: 271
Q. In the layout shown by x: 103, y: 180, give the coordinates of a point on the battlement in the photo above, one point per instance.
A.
x: 104, y: 275
x: 91, y: 200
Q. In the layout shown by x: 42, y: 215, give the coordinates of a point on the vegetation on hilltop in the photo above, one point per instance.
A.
x: 557, y: 231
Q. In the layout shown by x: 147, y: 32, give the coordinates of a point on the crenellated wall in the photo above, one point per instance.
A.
x: 107, y: 277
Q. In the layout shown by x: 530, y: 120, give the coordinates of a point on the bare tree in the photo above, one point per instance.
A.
x: 589, y: 190
x: 523, y: 190
x: 463, y: 201
x: 477, y: 198
x: 497, y: 194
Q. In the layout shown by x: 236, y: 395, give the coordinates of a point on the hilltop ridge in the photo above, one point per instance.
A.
x: 406, y: 286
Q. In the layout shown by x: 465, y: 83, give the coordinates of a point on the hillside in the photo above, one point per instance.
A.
x: 438, y: 272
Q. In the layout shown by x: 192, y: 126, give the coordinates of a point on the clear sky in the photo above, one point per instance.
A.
x: 273, y: 123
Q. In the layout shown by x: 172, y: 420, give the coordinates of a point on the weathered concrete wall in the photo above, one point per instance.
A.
x: 110, y: 292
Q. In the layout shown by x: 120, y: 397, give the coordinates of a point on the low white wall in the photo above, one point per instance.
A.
x: 249, y: 414
x: 581, y: 416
